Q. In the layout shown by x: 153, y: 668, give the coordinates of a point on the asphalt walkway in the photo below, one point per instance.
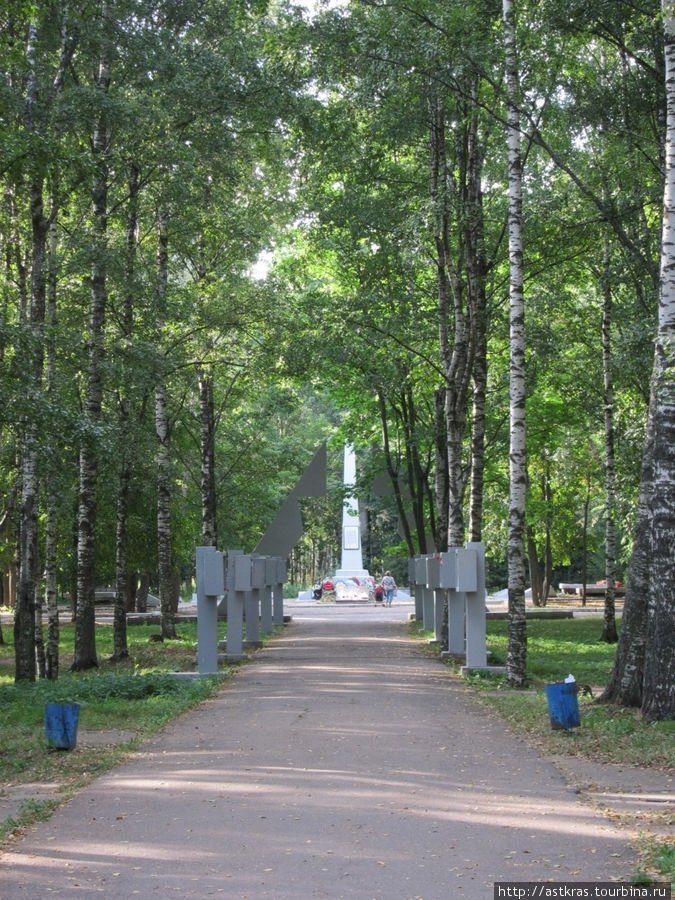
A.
x: 342, y: 762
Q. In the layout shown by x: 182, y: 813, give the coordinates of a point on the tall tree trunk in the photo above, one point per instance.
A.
x: 516, y: 660
x: 52, y: 510
x: 455, y: 349
x: 584, y: 539
x: 476, y: 489
x: 609, y: 631
x: 167, y: 599
x: 417, y: 477
x: 536, y: 580
x: 121, y: 602
x: 5, y: 600
x: 26, y: 625
x: 626, y: 680
x: 477, y: 267
x: 643, y: 673
x: 392, y: 471
x: 658, y: 700
x: 442, y: 477
x: 85, y: 625
x: 120, y: 644
x: 142, y: 591
x: 209, y: 536
x: 548, y: 552
x: 51, y: 598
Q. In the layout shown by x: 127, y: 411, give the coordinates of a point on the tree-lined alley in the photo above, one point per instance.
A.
x: 460, y: 214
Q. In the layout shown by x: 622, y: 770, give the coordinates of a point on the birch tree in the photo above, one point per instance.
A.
x: 168, y: 598
x: 454, y: 332
x: 517, y: 629
x: 28, y: 529
x: 658, y: 700
x: 609, y: 632
x: 625, y: 686
x: 644, y: 667
x: 41, y: 94
x: 207, y: 447
x: 85, y: 627
x: 52, y: 492
x: 124, y: 414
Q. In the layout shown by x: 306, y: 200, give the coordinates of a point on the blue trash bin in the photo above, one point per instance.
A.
x: 563, y: 705
x: 61, y: 725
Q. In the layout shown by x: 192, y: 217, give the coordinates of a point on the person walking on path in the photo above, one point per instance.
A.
x: 390, y: 588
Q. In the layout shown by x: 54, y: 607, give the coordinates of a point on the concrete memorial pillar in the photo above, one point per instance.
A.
x: 474, y: 584
x: 456, y: 601
x: 427, y: 596
x: 210, y: 571
x: 463, y: 573
x: 252, y: 602
x: 415, y: 588
x: 278, y: 591
x: 266, y: 620
x: 238, y: 585
x: 433, y: 585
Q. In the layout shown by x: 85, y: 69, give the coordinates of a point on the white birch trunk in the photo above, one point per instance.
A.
x: 85, y: 625
x: 164, y: 554
x: 658, y: 701
x: 122, y: 587
x: 441, y: 486
x: 208, y: 458
x: 625, y: 684
x: 609, y: 632
x: 477, y: 268
x: 120, y: 644
x: 167, y: 600
x: 52, y: 514
x: 27, y: 620
x: 517, y: 640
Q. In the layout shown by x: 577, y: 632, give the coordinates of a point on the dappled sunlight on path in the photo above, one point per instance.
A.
x: 343, y: 762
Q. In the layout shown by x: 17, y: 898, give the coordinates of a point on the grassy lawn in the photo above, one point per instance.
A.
x: 129, y: 700
x: 559, y: 647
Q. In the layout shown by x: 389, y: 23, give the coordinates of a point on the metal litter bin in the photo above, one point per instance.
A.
x: 61, y: 721
x: 563, y: 705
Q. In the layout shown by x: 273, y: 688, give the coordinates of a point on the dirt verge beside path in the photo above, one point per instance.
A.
x: 642, y: 800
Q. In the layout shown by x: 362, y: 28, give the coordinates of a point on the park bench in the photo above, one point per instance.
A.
x: 592, y: 590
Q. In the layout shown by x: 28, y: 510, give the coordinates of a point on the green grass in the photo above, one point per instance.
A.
x: 131, y: 699
x: 663, y: 860
x: 30, y: 811
x: 145, y: 655
x: 556, y: 648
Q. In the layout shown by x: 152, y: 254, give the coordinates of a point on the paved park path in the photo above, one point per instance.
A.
x: 342, y: 762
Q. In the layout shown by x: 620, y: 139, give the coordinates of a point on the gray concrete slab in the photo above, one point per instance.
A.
x: 342, y: 762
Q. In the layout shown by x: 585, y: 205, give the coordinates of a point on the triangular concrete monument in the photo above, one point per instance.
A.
x: 286, y: 529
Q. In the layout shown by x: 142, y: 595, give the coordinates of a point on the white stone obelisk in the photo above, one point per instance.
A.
x: 351, y: 562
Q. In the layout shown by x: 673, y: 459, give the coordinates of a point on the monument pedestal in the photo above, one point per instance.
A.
x: 352, y: 581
